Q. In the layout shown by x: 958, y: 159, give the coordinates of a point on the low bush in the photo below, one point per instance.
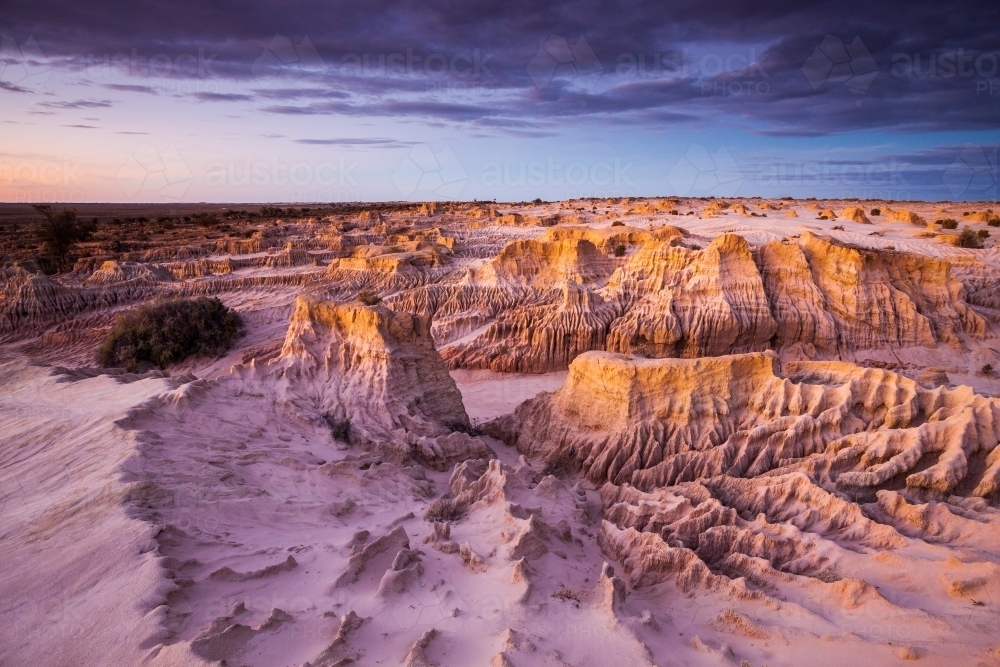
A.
x: 948, y: 223
x: 876, y: 211
x: 368, y: 297
x: 620, y: 250
x: 206, y: 220
x: 969, y: 239
x: 444, y: 509
x: 340, y: 429
x: 567, y: 594
x: 161, y: 334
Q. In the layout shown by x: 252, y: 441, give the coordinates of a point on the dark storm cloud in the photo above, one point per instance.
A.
x: 77, y: 104
x: 130, y: 88
x: 422, y: 109
x: 961, y: 172
x: 5, y: 85
x: 314, y: 57
x: 300, y: 93
x: 222, y: 97
x: 366, y: 143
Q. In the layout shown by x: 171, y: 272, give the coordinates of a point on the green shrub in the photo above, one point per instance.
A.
x: 340, y: 429
x: 969, y: 239
x: 368, y: 297
x: 617, y: 223
x: 948, y: 223
x: 620, y: 250
x: 994, y: 222
x: 206, y: 220
x: 161, y: 334
x: 445, y: 509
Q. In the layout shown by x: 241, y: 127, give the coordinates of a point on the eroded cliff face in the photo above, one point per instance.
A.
x: 733, y: 476
x: 549, y: 263
x: 841, y: 299
x: 653, y: 423
x: 661, y: 298
x: 692, y: 303
x: 539, y: 338
x: 376, y: 373
x: 537, y: 301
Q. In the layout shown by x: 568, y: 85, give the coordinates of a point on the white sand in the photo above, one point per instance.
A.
x: 488, y: 394
x: 80, y: 582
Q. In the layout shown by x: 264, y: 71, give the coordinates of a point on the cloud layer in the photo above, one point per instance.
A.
x: 933, y: 66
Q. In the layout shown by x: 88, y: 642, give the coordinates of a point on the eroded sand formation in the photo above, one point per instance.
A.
x: 744, y: 441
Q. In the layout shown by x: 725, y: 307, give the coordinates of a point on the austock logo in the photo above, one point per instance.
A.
x: 47, y: 180
x: 283, y: 62
x: 557, y: 58
x: 958, y: 63
x: 702, y: 173
x: 555, y: 173
x: 835, y: 62
x: 853, y: 179
x: 429, y: 173
x: 974, y: 173
x: 461, y: 65
x: 153, y: 173
x: 21, y: 64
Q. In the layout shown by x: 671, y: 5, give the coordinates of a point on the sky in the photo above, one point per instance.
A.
x: 320, y: 101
